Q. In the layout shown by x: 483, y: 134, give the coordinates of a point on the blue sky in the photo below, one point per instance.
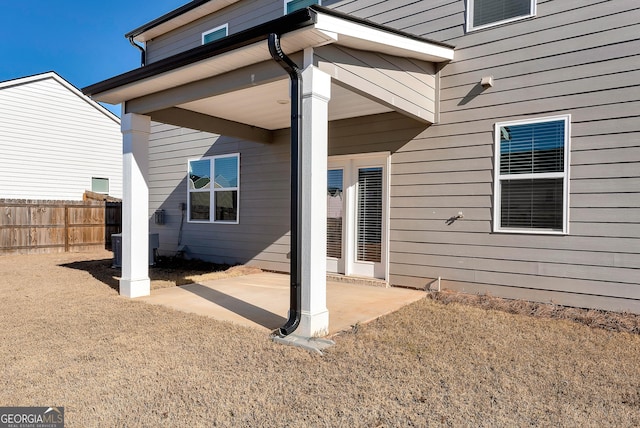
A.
x: 83, y: 41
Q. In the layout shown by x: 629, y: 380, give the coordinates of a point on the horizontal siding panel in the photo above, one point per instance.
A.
x: 577, y: 243
x: 541, y: 282
x: 608, y: 200
x: 622, y: 170
x: 605, y: 156
x: 508, y: 82
x: 437, y: 213
x: 617, y: 185
x: 441, y: 201
x: 604, y: 215
x: 455, y: 75
x: 588, y: 26
x: 526, y: 268
x: 629, y: 260
x: 470, y: 152
x: 448, y: 224
x: 621, y: 229
x: 476, y: 164
x: 426, y: 177
x: 595, y: 142
x: 463, y: 189
x: 537, y: 99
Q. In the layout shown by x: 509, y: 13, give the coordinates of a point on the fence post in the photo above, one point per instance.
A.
x: 66, y: 229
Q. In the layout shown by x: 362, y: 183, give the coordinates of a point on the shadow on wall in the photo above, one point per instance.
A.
x: 262, y: 235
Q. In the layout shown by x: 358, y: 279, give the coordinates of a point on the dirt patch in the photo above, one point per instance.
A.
x: 70, y: 340
x: 613, y: 321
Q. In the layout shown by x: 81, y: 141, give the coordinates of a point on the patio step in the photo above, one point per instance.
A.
x: 374, y: 282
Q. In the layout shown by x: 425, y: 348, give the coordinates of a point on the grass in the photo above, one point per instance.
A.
x: 69, y: 340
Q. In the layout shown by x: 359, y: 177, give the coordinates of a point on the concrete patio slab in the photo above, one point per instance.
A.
x: 262, y: 300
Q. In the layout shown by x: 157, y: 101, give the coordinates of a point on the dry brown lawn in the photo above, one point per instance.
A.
x: 69, y: 340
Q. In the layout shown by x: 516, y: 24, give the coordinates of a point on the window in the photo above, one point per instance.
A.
x: 293, y: 5
x: 531, y: 176
x: 215, y: 34
x: 100, y: 185
x: 485, y: 13
x: 217, y: 202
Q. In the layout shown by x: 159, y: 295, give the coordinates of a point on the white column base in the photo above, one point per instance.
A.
x: 135, y: 287
x: 313, y: 325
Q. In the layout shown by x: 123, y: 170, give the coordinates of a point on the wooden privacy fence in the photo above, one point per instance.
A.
x: 35, y: 226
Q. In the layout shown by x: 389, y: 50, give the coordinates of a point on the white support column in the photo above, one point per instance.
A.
x: 316, y: 92
x: 135, y: 205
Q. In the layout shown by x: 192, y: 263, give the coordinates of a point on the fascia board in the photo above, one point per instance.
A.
x: 358, y: 36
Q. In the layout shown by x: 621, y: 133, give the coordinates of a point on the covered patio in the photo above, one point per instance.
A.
x: 260, y: 301
x: 345, y: 68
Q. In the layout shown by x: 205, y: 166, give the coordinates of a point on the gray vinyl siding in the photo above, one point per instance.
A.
x: 406, y: 84
x: 240, y: 16
x: 261, y: 237
x: 577, y: 58
x: 570, y: 59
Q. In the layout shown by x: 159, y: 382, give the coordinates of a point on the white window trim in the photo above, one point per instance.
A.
x: 469, y: 17
x: 286, y: 2
x: 497, y: 177
x: 213, y: 30
x: 211, y: 190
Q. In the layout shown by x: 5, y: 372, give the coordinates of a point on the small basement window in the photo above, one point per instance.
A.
x: 532, y: 176
x: 215, y: 34
x: 293, y: 5
x: 100, y: 185
x: 213, y: 189
x: 486, y: 13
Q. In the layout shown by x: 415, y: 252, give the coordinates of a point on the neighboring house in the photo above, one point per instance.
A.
x: 55, y: 142
x: 491, y: 145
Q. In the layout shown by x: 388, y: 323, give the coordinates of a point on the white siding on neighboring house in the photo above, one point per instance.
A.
x: 54, y: 140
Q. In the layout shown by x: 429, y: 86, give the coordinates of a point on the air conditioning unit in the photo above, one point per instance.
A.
x: 116, y: 245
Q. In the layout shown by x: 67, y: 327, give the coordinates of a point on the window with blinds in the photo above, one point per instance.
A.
x: 482, y: 13
x: 369, y: 215
x: 335, y: 212
x: 531, y: 175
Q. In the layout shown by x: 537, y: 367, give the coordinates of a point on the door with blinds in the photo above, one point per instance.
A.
x: 357, y: 216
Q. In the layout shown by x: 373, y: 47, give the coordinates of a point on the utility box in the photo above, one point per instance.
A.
x: 116, y: 245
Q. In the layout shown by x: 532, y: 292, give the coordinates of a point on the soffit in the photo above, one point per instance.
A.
x: 267, y: 106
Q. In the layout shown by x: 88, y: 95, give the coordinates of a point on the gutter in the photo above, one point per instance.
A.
x: 295, y: 275
x: 143, y: 53
x: 286, y: 24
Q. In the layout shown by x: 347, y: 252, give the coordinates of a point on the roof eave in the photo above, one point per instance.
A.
x: 333, y: 26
